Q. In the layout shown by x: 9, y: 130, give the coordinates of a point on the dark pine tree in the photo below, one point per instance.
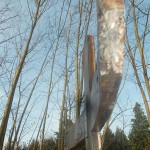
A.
x: 139, y: 135
x: 109, y: 140
x: 121, y: 140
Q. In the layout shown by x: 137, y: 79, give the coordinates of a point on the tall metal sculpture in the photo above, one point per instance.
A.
x: 101, y: 81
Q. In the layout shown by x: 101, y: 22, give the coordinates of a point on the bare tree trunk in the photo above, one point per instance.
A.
x: 38, y: 133
x: 48, y: 99
x: 14, y: 123
x: 60, y: 135
x: 28, y: 100
x: 14, y: 84
x: 104, y: 133
x: 81, y: 81
x: 58, y: 38
x: 138, y: 80
x: 76, y: 60
x: 19, y: 138
x: 144, y: 68
x: 140, y: 48
x: 60, y: 139
x: 35, y: 131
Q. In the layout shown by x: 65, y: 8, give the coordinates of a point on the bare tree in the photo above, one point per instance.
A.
x: 80, y: 4
x: 138, y: 18
x: 60, y: 135
x: 15, y: 79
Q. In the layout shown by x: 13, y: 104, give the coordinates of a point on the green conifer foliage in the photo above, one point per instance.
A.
x: 139, y: 135
x: 109, y: 140
x: 121, y: 141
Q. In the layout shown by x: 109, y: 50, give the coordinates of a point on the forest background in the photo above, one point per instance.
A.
x: 41, y: 80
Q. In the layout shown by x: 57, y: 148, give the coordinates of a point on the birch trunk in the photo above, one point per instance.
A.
x: 60, y: 135
x: 142, y: 60
x: 28, y: 100
x: 4, y: 122
x: 48, y: 99
x: 76, y: 61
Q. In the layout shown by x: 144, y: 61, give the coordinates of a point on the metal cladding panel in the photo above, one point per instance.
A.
x: 108, y: 73
x: 101, y: 82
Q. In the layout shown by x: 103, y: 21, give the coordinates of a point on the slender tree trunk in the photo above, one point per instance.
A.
x: 14, y: 124
x: 38, y: 134
x: 104, y: 133
x: 48, y: 99
x: 60, y: 135
x: 144, y: 67
x: 60, y: 139
x: 138, y: 81
x: 19, y: 138
x: 140, y: 48
x: 58, y: 38
x: 28, y: 100
x: 31, y: 139
x: 14, y: 84
x: 76, y: 61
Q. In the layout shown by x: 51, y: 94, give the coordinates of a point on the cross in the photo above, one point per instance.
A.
x: 101, y: 79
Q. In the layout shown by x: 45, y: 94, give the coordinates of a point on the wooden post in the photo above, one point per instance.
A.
x: 92, y: 138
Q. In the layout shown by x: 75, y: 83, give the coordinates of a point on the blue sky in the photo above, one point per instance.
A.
x: 129, y: 95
